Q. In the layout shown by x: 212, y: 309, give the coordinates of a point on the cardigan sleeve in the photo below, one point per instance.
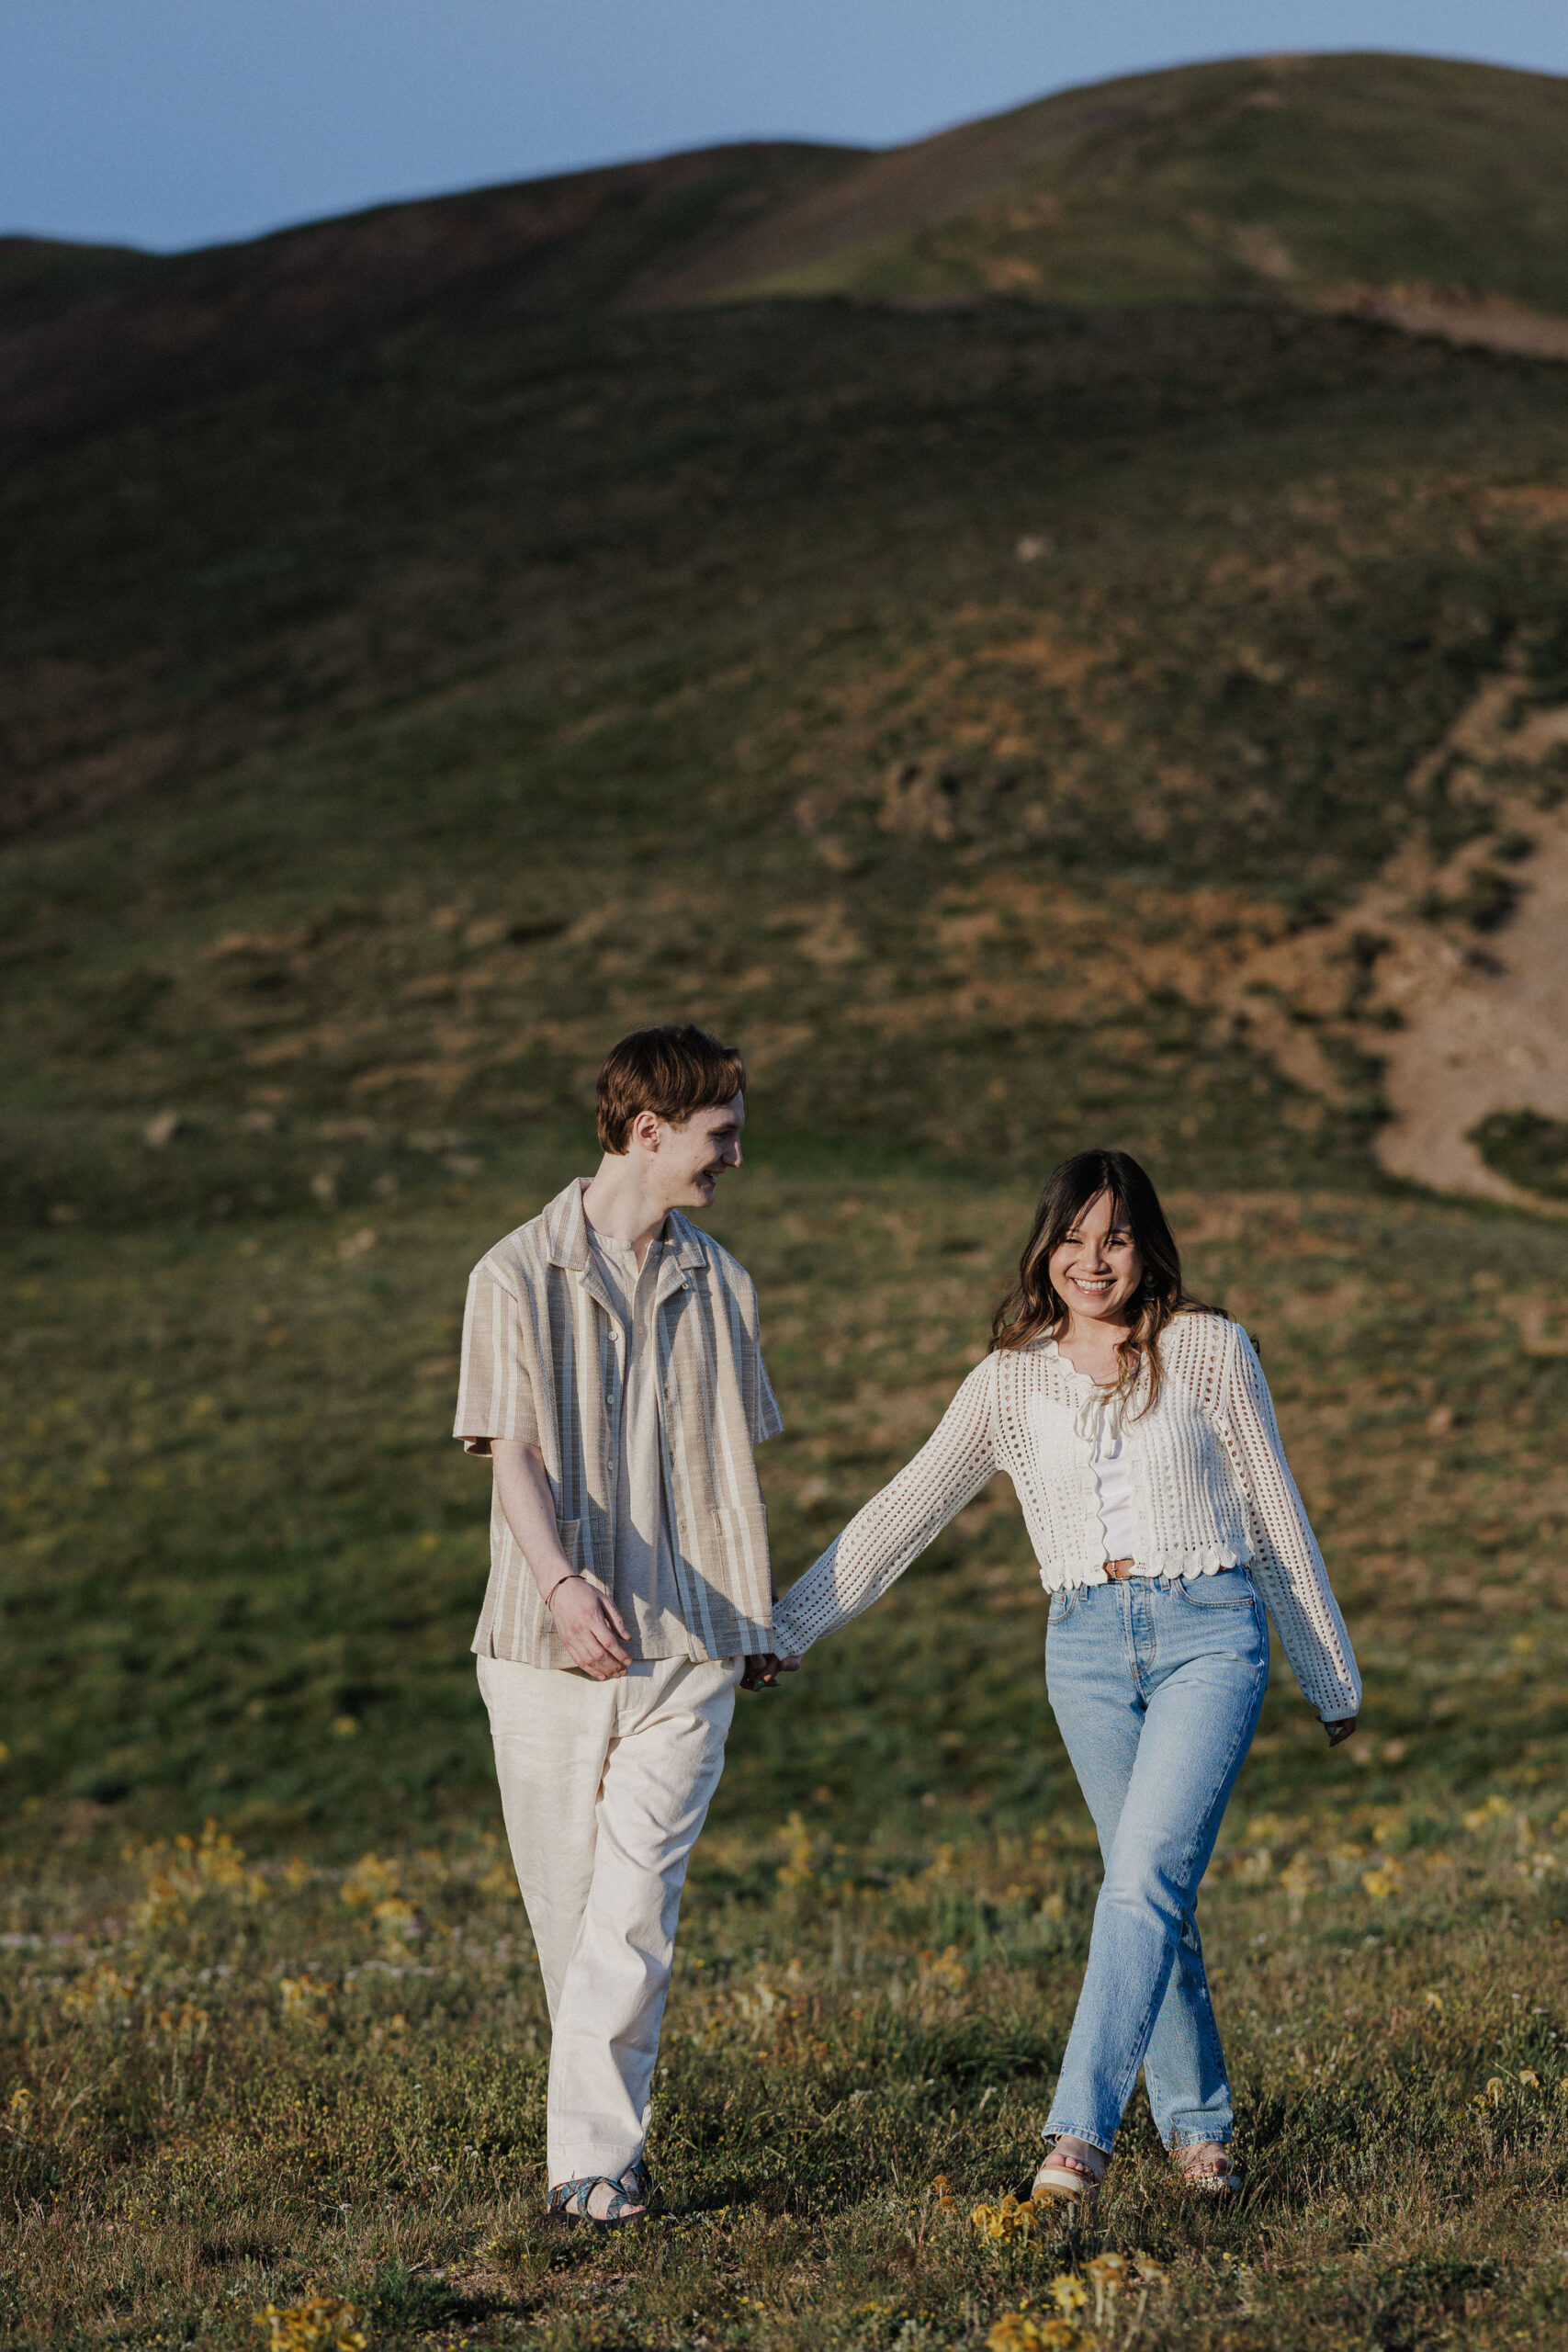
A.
x: 894, y: 1527
x: 1287, y: 1562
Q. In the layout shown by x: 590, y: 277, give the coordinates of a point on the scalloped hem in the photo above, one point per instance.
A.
x: 1213, y: 1560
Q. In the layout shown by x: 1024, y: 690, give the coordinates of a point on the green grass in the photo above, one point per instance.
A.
x: 1527, y: 1150
x: 243, y: 1565
x: 229, y: 2087
x: 244, y: 1551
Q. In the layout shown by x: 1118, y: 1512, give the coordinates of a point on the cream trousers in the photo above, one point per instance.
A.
x: 606, y: 1786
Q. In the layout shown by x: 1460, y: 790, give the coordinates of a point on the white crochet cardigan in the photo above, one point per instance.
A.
x: 1212, y: 1489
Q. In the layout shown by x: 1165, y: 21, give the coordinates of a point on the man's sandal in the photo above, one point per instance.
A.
x: 629, y: 2202
x: 1206, y: 2166
x: 1067, y: 2177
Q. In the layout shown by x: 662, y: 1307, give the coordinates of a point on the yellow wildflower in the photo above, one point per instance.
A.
x: 370, y: 1881
x: 322, y: 2324
x: 1108, y: 2276
x: 1295, y: 1879
x: 796, y: 1869
x: 102, y: 1992
x: 184, y: 2027
x: 948, y: 1973
x: 305, y: 2001
x: 192, y: 1867
x: 1031, y: 2332
x: 1001, y: 2225
x: 394, y: 1917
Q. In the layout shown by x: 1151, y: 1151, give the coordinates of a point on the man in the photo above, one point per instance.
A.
x: 611, y: 1370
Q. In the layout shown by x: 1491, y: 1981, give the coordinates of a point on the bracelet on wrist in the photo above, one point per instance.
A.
x: 569, y: 1578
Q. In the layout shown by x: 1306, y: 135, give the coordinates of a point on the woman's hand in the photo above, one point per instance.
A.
x: 763, y: 1668
x: 1340, y: 1731
x: 588, y: 1625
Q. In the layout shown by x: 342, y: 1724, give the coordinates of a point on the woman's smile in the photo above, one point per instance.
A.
x: 1096, y: 1267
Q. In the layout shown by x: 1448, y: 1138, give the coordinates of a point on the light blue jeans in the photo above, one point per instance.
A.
x: 1156, y: 1684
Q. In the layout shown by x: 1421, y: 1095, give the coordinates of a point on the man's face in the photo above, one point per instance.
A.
x: 691, y: 1157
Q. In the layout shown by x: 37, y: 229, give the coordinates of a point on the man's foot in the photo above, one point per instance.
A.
x: 1206, y: 2166
x: 1071, y: 2174
x: 598, y: 2199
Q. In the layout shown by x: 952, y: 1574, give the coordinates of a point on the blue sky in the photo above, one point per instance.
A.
x: 181, y: 122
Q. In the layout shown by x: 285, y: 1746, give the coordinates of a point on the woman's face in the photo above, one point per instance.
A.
x: 1096, y: 1267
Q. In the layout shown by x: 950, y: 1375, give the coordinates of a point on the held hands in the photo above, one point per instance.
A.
x: 588, y: 1625
x: 1340, y: 1731
x: 763, y: 1668
x: 593, y: 1633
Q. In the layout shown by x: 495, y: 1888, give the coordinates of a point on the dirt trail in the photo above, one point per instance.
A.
x: 1484, y: 1030
x: 1454, y: 973
x: 1488, y: 323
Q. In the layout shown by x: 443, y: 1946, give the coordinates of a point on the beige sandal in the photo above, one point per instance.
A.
x: 1206, y: 2166
x: 1068, y: 2177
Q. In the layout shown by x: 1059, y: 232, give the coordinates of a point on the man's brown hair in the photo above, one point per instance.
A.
x: 671, y: 1072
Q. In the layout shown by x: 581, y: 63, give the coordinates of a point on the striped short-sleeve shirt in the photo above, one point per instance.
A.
x: 544, y: 1360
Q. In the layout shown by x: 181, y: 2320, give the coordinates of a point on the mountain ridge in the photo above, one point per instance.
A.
x: 1426, y: 194
x: 1302, y: 174
x: 149, y: 330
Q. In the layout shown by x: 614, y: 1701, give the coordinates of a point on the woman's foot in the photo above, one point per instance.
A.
x: 1206, y: 2166
x: 1071, y: 2174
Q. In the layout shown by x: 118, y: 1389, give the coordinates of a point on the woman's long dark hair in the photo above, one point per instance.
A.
x: 1034, y: 1309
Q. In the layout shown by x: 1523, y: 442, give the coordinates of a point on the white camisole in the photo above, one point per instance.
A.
x: 1113, y: 1479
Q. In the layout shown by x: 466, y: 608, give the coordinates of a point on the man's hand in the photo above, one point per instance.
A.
x: 591, y: 1630
x: 588, y: 1625
x: 1340, y: 1731
x: 763, y: 1668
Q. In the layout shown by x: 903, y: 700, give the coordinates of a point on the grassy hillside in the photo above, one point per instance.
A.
x: 91, y: 335
x: 319, y: 695
x: 245, y: 1553
x: 315, y: 2066
x: 954, y: 707
x: 1312, y: 176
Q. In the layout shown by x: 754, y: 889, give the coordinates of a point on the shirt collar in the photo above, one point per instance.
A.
x: 566, y: 1229
x: 566, y: 1233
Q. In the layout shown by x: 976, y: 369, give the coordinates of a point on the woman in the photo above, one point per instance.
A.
x: 1137, y: 1429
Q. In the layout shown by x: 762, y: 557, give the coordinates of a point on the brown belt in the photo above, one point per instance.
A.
x: 1120, y: 1570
